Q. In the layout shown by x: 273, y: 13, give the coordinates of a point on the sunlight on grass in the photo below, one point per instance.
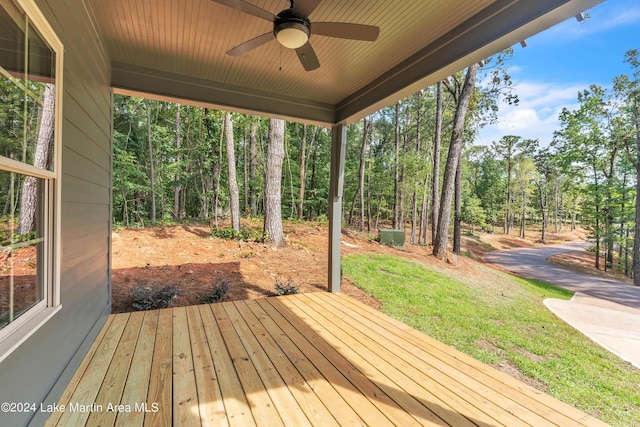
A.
x: 500, y: 320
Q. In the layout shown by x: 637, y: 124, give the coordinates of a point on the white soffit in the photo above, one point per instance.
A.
x: 175, y: 49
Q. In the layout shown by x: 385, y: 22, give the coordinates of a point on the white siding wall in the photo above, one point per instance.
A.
x: 40, y: 369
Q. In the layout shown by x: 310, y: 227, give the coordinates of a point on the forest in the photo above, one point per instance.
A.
x: 412, y: 165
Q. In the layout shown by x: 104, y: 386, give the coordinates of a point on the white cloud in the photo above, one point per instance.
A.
x: 536, y: 116
x: 616, y: 15
x: 541, y: 95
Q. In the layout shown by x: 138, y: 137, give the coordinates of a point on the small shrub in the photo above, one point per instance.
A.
x: 217, y: 293
x: 285, y: 288
x: 225, y: 233
x: 323, y: 219
x: 153, y: 297
x: 245, y: 234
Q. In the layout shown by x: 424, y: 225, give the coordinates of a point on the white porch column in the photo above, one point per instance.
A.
x: 338, y: 150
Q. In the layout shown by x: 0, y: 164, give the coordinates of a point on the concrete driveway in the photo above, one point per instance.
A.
x: 605, y: 310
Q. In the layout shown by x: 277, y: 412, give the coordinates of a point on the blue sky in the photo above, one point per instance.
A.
x: 560, y: 62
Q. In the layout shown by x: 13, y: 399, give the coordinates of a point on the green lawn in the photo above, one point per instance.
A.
x: 500, y: 320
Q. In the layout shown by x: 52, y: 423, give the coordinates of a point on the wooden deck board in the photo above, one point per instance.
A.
x: 274, y: 384
x: 234, y: 399
x: 462, y: 398
x: 185, y: 393
x: 309, y: 359
x: 352, y: 385
x: 467, y: 368
x: 84, y: 396
x: 77, y: 377
x: 137, y: 385
x: 211, y: 407
x: 323, y: 378
x: 161, y: 376
x: 113, y: 384
x: 373, y: 368
x: 265, y: 330
x: 416, y: 393
x: 258, y: 397
x: 454, y: 396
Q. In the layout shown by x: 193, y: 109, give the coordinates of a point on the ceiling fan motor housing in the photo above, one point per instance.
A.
x: 291, y: 31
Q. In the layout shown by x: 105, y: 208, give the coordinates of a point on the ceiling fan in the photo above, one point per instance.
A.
x: 292, y: 28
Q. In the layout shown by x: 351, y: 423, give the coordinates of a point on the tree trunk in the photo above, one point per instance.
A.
x: 253, y: 157
x: 312, y: 182
x: 360, y: 190
x: 523, y: 221
x: 217, y: 173
x: 42, y: 160
x: 626, y: 253
x: 435, y: 189
x: 453, y: 158
x: 403, y: 170
x: 622, y: 247
x: 424, y: 222
x: 457, y: 216
x: 555, y: 201
x: 598, y: 206
x: 138, y: 203
x: 609, y: 219
x: 272, y: 191
x: 597, y: 237
x: 636, y: 227
x: 151, y: 168
x: 363, y: 153
x: 245, y: 166
x: 303, y: 154
x: 635, y: 263
x: 290, y: 174
x: 396, y: 175
x: 177, y: 188
x: 415, y: 222
x: 234, y: 194
x: 216, y: 156
x: 543, y: 211
x: 369, y: 218
x: 507, y: 217
x: 378, y: 208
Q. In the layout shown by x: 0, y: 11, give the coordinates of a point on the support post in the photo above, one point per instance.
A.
x: 338, y: 151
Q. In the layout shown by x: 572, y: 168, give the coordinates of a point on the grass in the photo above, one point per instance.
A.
x: 500, y: 320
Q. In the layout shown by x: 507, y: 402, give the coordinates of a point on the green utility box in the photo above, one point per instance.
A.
x: 392, y: 237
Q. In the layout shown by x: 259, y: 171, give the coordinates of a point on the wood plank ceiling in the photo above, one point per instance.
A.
x: 176, y: 49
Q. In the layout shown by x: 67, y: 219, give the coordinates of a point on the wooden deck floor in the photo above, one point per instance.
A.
x: 309, y: 359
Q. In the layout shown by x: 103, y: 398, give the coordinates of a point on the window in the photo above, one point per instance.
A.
x: 30, y: 77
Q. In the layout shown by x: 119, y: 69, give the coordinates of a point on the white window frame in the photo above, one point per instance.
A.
x: 18, y: 331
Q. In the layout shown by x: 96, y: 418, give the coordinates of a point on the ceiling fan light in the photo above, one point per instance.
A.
x: 291, y: 31
x: 291, y: 35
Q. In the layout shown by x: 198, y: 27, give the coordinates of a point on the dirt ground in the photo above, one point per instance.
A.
x: 185, y: 256
x: 18, y: 281
x: 188, y: 258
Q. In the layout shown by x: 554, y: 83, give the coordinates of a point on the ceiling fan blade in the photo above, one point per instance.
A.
x: 345, y: 30
x: 245, y: 7
x: 245, y: 47
x: 304, y: 8
x: 307, y: 57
